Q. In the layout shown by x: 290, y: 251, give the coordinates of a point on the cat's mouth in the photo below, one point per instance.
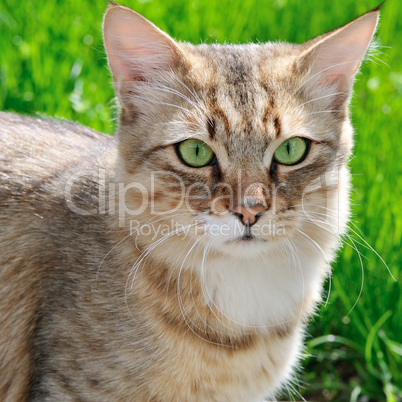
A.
x: 246, y: 238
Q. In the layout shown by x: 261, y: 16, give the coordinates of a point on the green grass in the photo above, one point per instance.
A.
x: 52, y: 62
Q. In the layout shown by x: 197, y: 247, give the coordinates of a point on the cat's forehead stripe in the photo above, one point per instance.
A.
x: 216, y: 111
x: 277, y: 126
x: 211, y: 128
x: 238, y: 94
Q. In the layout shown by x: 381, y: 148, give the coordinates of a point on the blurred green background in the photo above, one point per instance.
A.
x: 52, y: 62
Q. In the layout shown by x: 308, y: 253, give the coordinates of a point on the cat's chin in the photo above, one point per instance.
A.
x: 245, y: 247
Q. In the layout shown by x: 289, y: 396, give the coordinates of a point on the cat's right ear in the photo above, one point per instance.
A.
x: 136, y: 49
x: 331, y: 61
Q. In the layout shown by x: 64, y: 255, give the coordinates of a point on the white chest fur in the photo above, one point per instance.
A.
x: 267, y: 290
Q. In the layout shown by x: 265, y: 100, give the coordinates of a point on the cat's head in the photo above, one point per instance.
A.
x: 242, y: 147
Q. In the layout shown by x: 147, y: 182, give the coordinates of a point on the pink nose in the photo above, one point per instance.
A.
x: 248, y: 215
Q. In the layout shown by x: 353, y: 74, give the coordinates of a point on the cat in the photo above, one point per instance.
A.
x: 181, y: 259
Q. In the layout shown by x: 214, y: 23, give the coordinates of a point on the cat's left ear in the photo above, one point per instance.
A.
x: 137, y: 50
x: 332, y: 60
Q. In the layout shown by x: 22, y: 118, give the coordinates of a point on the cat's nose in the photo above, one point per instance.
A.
x: 249, y: 215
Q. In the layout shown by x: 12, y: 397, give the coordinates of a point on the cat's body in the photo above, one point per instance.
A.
x: 96, y: 308
x: 36, y: 239
x: 66, y: 311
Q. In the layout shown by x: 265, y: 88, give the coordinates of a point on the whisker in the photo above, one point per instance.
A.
x: 151, y: 248
x: 172, y: 91
x: 374, y: 251
x: 324, y: 111
x: 314, y: 243
x: 185, y: 317
x: 184, y: 122
x: 321, y: 97
x: 206, y: 325
x: 362, y: 283
x: 320, y: 72
x: 296, y: 257
x: 150, y: 222
x: 208, y: 298
x: 195, y: 96
x: 103, y: 259
x: 158, y: 102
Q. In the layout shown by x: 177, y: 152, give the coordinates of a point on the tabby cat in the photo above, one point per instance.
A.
x: 179, y: 260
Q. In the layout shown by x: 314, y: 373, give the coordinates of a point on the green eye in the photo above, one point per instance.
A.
x: 195, y: 153
x: 291, y: 151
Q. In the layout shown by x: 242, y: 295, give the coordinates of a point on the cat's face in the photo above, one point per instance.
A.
x: 238, y: 147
